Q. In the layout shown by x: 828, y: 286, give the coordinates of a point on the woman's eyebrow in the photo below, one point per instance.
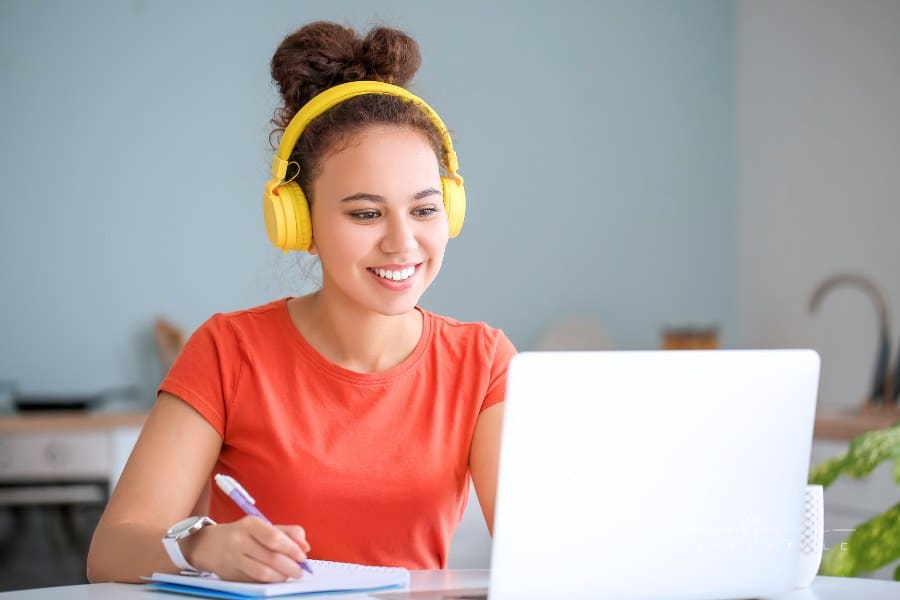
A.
x: 376, y: 198
x: 426, y: 193
x: 363, y: 196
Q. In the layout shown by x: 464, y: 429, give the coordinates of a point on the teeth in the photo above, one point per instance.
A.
x: 398, y: 275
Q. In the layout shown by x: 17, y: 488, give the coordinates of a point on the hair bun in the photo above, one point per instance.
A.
x: 391, y: 56
x: 324, y: 54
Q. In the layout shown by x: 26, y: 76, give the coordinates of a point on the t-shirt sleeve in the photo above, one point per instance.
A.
x: 502, y: 353
x: 205, y: 373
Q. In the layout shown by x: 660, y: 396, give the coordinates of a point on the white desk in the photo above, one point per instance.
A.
x: 823, y: 588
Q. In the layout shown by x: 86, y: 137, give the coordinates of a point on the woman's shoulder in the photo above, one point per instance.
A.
x: 450, y: 331
x: 253, y: 322
x: 256, y: 315
x: 453, y: 323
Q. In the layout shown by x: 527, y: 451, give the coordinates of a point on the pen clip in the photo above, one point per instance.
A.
x: 228, y: 484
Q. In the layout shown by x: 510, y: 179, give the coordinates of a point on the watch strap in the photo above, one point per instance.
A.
x: 173, y: 549
x: 177, y: 557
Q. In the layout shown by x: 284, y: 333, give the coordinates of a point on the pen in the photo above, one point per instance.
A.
x: 245, y: 501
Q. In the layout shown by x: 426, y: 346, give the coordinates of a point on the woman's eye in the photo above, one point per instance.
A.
x: 365, y: 215
x: 425, y: 211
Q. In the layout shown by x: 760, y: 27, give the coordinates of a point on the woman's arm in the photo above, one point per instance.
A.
x: 165, y: 479
x: 162, y: 482
x: 484, y: 459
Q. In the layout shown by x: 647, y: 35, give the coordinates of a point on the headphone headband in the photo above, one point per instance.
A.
x: 335, y: 95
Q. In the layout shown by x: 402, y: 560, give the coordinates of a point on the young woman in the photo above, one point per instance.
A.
x: 352, y: 416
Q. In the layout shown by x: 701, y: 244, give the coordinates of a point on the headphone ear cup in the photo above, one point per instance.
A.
x: 286, y: 212
x: 273, y: 213
x: 300, y: 235
x: 454, y: 194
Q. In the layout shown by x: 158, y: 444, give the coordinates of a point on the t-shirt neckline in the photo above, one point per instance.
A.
x: 313, y: 356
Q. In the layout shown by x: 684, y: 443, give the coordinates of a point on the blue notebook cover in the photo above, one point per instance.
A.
x: 188, y: 590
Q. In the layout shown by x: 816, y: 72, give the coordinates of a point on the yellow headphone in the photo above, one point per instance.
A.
x: 285, y: 207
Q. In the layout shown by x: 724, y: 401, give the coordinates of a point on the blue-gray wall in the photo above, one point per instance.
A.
x: 597, y: 140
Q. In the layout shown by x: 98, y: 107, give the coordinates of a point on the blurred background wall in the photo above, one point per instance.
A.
x: 819, y: 188
x: 597, y: 140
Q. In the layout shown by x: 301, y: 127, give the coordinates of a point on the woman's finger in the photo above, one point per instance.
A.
x: 282, y: 565
x: 296, y: 533
x: 273, y: 538
x: 255, y: 569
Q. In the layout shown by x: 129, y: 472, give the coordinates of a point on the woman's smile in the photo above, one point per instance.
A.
x: 395, y: 277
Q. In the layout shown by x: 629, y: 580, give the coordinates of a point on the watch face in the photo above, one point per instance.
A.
x: 182, y: 526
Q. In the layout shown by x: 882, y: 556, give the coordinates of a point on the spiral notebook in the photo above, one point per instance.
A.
x: 326, y: 577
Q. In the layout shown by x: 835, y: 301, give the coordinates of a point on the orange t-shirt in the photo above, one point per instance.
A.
x: 374, y: 466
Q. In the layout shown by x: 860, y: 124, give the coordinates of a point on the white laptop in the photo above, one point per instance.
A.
x: 658, y: 474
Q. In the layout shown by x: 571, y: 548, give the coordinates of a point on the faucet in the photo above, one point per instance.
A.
x: 882, y: 388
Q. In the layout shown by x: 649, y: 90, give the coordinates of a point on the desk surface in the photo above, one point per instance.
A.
x: 823, y: 588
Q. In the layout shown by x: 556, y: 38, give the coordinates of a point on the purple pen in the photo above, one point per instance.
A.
x: 245, y: 501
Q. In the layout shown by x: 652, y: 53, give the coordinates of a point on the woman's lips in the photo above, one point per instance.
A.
x: 395, y: 277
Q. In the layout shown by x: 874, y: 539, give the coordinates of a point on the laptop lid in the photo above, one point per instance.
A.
x: 657, y: 474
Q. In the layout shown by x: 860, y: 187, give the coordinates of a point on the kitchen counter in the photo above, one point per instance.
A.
x: 836, y: 426
x: 61, y: 446
x: 846, y: 426
x: 69, y: 420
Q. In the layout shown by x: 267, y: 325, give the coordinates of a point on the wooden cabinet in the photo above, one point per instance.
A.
x: 66, y: 448
x: 56, y: 473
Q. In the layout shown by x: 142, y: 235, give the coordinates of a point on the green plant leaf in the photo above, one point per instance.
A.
x: 826, y: 472
x: 870, y: 449
x: 874, y: 544
x: 866, y: 452
x: 897, y: 573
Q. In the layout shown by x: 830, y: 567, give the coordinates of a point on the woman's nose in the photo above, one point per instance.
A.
x: 399, y: 235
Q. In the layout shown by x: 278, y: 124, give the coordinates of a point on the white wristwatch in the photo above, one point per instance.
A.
x: 179, y: 531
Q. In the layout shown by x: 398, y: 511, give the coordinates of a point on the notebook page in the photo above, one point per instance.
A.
x: 326, y: 576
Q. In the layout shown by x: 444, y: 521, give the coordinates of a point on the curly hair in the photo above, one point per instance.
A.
x: 321, y: 55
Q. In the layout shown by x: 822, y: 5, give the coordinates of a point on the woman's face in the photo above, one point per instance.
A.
x: 378, y: 219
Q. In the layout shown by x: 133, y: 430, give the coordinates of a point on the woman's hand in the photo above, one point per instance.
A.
x: 248, y: 550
